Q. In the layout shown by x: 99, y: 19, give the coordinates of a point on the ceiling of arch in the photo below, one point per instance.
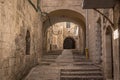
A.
x: 64, y: 15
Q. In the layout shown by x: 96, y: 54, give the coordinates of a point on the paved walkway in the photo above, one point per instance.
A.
x: 43, y: 73
x: 66, y: 67
x: 51, y: 72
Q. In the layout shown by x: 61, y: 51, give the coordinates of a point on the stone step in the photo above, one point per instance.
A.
x: 82, y: 60
x: 79, y: 56
x: 46, y: 63
x: 53, y: 53
x: 83, y: 63
x: 50, y: 56
x: 82, y: 73
x: 48, y: 60
x: 81, y: 78
x: 82, y: 69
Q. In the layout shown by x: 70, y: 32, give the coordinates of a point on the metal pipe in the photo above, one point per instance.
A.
x: 86, y: 28
x: 105, y: 17
x: 37, y: 8
x: 87, y: 36
x: 33, y: 5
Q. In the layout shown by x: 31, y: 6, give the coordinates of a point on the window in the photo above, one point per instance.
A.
x: 67, y: 24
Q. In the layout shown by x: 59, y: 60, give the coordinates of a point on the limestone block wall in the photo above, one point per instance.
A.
x: 52, y: 5
x: 116, y: 49
x: 94, y: 38
x: 16, y: 17
x: 107, y: 38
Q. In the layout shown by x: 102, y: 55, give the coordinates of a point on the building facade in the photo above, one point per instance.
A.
x: 26, y: 34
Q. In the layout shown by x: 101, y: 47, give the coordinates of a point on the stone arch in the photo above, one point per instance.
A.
x: 109, y: 68
x: 28, y: 39
x: 47, y: 6
x: 63, y: 15
x: 69, y: 43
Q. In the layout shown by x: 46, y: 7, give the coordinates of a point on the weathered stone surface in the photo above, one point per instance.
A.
x: 16, y: 17
x: 68, y: 71
x: 65, y: 57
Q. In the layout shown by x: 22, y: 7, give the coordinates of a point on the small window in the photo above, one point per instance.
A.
x: 28, y: 43
x: 67, y: 24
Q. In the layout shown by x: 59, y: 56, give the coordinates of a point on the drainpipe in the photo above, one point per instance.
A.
x: 87, y: 36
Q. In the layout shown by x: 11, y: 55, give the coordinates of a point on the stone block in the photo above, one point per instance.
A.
x: 11, y: 62
x: 5, y: 63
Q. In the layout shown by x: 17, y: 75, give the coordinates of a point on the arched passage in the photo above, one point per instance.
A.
x: 64, y: 15
x: 69, y: 43
x: 109, y: 54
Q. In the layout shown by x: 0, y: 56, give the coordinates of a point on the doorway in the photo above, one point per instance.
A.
x: 69, y: 43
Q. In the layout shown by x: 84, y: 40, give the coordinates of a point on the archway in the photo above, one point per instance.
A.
x: 69, y: 43
x: 109, y: 54
x: 64, y: 15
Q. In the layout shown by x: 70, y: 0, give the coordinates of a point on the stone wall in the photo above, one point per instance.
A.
x: 94, y: 46
x: 57, y: 33
x: 116, y: 42
x: 94, y: 28
x: 16, y: 17
x: 52, y: 5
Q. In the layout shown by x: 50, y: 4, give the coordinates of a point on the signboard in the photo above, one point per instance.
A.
x: 116, y: 34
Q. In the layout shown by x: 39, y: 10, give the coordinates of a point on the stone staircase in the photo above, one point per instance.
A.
x: 82, y: 69
x: 65, y: 65
x: 50, y: 57
x: 81, y: 74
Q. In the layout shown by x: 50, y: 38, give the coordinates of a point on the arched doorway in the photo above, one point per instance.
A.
x: 109, y: 54
x: 69, y: 43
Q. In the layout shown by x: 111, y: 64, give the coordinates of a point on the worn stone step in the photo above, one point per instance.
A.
x: 46, y: 63
x: 52, y: 56
x: 53, y: 53
x: 81, y: 78
x: 82, y: 69
x: 82, y: 73
x: 83, y: 63
x: 82, y: 60
x: 78, y: 56
x: 49, y: 60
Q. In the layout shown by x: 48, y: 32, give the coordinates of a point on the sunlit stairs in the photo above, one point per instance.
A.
x: 83, y: 69
x: 50, y: 57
